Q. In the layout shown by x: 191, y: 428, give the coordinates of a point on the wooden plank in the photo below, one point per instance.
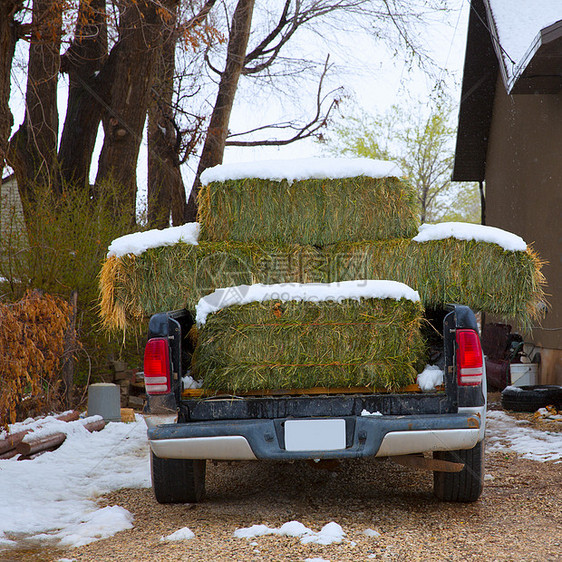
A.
x: 204, y: 392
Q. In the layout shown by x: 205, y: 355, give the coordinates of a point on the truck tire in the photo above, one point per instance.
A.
x: 177, y: 480
x: 531, y: 398
x: 463, y: 486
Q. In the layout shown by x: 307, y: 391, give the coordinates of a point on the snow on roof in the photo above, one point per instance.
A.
x: 302, y: 169
x: 139, y: 242
x: 469, y: 231
x: 518, y: 24
x: 312, y: 292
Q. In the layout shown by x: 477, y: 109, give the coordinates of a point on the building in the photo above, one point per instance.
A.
x: 11, y: 211
x: 510, y: 138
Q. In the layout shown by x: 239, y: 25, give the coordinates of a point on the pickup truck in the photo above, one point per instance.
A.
x: 186, y: 428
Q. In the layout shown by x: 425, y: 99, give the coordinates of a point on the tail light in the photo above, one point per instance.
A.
x: 157, y: 366
x: 469, y: 358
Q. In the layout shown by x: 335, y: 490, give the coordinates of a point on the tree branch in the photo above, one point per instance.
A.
x: 305, y: 131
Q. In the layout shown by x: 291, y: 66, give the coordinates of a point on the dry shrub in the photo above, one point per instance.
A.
x: 32, y: 334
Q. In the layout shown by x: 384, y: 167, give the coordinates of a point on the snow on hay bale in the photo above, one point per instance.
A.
x: 177, y: 276
x: 289, y: 336
x: 478, y: 274
x: 482, y: 275
x: 309, y: 201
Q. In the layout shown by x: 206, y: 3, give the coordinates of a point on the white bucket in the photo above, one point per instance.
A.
x: 523, y: 374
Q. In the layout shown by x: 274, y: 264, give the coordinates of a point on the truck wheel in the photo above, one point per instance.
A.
x: 177, y: 480
x: 531, y: 398
x: 463, y: 486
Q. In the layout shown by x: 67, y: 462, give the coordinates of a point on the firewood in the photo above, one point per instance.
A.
x: 13, y: 439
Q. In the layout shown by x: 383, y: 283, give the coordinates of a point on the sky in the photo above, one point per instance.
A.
x: 372, y: 77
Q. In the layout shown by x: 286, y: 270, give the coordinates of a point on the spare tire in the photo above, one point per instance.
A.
x: 531, y: 398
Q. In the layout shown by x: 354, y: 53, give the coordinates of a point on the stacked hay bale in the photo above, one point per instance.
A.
x: 479, y: 274
x: 295, y: 336
x: 318, y: 221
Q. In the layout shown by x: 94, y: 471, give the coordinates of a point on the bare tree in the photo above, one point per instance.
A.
x: 82, y: 62
x: 213, y: 148
x: 170, y: 144
x: 8, y: 37
x: 33, y: 148
x: 379, y: 16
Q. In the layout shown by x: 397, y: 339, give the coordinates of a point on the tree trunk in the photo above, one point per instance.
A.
x: 129, y: 73
x: 8, y: 39
x: 83, y: 61
x: 213, y: 149
x: 33, y: 148
x: 166, y: 191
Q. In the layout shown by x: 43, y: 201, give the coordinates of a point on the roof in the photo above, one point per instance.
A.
x: 523, y: 41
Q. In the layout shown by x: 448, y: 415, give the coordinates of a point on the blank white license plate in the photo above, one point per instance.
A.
x: 314, y: 435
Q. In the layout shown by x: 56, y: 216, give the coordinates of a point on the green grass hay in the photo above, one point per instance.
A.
x: 374, y: 343
x: 313, y: 211
x: 477, y: 274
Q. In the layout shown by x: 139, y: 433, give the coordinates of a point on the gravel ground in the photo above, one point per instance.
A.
x: 518, y: 518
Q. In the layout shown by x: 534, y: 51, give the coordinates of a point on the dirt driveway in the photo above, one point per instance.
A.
x: 519, y: 516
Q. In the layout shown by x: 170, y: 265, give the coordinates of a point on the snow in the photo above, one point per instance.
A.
x: 190, y: 382
x: 469, y: 231
x: 182, y: 534
x: 367, y: 413
x: 96, y: 525
x: 302, y: 169
x: 518, y: 24
x: 52, y: 497
x: 504, y: 432
x: 331, y: 533
x: 311, y: 292
x: 50, y: 426
x: 139, y: 242
x: 430, y: 377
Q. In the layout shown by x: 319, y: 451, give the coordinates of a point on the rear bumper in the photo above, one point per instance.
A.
x: 379, y: 436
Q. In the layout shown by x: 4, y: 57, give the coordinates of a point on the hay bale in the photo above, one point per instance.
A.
x: 174, y: 277
x: 311, y: 211
x: 287, y: 344
x: 478, y: 274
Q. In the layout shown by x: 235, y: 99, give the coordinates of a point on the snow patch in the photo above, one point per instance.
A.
x: 467, y: 231
x: 312, y: 292
x: 302, y: 169
x: 52, y: 426
x: 372, y: 533
x: 329, y: 534
x: 503, y: 432
x: 94, y: 526
x: 430, y: 378
x: 367, y: 413
x: 183, y: 534
x: 190, y: 382
x: 138, y: 242
x: 57, y: 502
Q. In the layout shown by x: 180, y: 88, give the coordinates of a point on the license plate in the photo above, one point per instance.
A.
x: 314, y: 435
